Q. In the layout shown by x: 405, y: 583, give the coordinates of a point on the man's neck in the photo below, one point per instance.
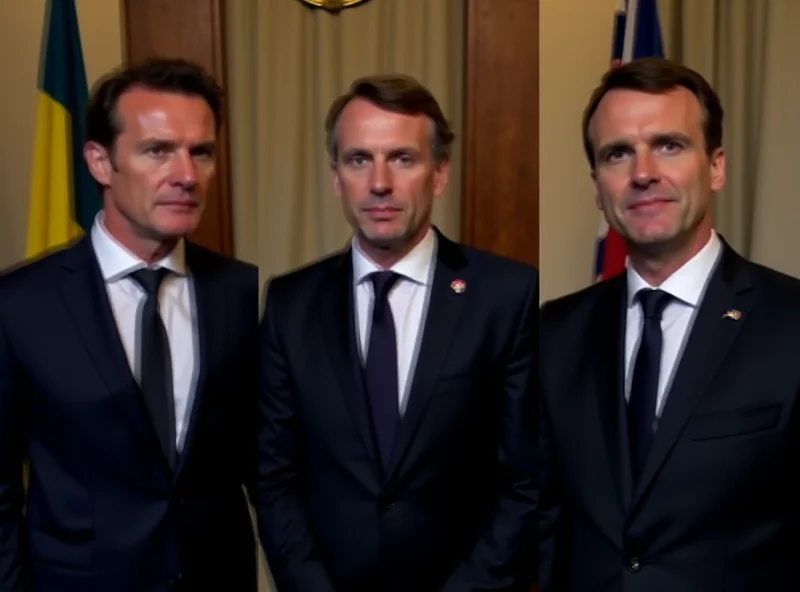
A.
x: 147, y: 250
x: 385, y: 258
x: 656, y: 265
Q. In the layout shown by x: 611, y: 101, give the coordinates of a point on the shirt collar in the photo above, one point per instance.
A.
x: 415, y: 266
x: 688, y: 282
x: 117, y: 262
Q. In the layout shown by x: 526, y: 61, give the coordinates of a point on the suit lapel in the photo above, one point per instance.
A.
x: 338, y: 321
x: 609, y: 356
x: 339, y: 330
x: 86, y: 299
x: 706, y: 347
x: 443, y: 316
x: 210, y: 307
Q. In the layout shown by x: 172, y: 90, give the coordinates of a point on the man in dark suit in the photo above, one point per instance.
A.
x: 128, y: 368
x: 397, y: 439
x: 669, y: 393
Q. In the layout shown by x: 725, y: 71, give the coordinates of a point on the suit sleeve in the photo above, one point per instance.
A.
x: 282, y: 478
x: 550, y: 497
x: 12, y: 433
x: 504, y: 558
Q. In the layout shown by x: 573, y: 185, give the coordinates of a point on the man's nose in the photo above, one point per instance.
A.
x: 381, y: 179
x: 184, y: 170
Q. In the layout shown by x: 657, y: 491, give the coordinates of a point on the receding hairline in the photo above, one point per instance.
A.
x: 124, y: 97
x: 141, y: 88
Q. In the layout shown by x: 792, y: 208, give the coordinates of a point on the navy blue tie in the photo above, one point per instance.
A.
x: 644, y: 386
x: 155, y: 362
x: 381, y: 367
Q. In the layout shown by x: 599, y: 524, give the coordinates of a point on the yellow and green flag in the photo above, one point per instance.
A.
x: 64, y: 198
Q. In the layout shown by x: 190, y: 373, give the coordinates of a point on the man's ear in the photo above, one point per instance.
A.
x: 98, y: 160
x: 717, y: 170
x: 336, y: 180
x: 441, y: 176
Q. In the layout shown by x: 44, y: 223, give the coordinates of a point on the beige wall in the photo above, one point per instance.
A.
x: 20, y: 39
x: 575, y: 49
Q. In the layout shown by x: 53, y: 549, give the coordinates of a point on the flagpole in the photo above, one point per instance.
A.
x: 630, y: 29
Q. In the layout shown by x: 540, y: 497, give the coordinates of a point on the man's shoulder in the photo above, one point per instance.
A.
x: 204, y: 256
x: 774, y: 284
x: 39, y: 270
x: 228, y: 270
x: 571, y: 305
x: 305, y: 278
x: 495, y: 280
x: 498, y: 265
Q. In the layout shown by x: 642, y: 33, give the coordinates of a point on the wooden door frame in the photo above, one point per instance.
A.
x: 500, y: 208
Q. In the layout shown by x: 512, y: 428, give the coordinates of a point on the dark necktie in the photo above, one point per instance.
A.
x: 155, y: 362
x: 644, y: 386
x: 381, y: 367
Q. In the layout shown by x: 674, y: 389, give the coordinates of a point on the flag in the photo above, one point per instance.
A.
x: 637, y: 34
x: 63, y: 196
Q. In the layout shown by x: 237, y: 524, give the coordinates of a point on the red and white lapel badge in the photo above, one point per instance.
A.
x: 458, y: 286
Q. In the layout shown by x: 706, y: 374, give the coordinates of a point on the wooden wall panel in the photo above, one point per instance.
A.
x: 191, y: 29
x: 501, y: 135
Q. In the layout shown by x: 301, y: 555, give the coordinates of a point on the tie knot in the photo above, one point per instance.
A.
x: 382, y: 282
x: 653, y: 302
x: 150, y: 279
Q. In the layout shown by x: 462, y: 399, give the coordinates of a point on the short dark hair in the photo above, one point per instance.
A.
x: 658, y: 76
x: 396, y: 93
x: 172, y: 75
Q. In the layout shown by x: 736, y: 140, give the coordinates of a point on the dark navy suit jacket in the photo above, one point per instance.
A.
x: 104, y: 509
x: 456, y: 511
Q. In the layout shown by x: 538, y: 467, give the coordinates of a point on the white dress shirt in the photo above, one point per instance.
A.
x: 175, y: 305
x: 687, y: 287
x: 408, y: 300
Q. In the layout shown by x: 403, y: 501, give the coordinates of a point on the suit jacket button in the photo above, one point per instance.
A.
x: 174, y: 583
x: 634, y: 564
x: 386, y: 506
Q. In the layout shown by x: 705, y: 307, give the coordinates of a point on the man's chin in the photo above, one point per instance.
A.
x: 384, y: 240
x: 649, y: 234
x: 177, y: 226
x: 657, y: 244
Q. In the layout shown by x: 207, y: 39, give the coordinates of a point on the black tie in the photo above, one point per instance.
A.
x: 644, y: 386
x: 381, y: 367
x: 155, y: 362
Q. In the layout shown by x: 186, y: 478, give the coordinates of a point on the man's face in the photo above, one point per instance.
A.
x: 386, y: 175
x: 157, y: 176
x: 653, y: 175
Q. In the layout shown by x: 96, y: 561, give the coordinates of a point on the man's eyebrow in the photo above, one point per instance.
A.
x: 664, y: 137
x: 613, y: 145
x: 168, y: 143
x: 391, y: 151
x: 655, y: 139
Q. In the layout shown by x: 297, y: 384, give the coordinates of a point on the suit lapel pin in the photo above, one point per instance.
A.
x: 732, y: 314
x: 458, y: 286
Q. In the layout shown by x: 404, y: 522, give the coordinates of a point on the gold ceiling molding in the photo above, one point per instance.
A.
x: 332, y: 5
